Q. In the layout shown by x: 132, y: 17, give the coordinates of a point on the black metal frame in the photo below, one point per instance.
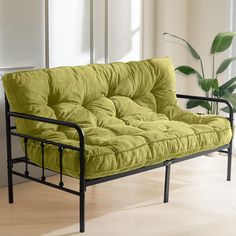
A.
x: 81, y: 145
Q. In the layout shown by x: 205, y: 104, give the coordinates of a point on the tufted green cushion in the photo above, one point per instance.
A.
x: 128, y: 112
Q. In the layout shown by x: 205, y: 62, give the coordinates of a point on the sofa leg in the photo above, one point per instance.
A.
x: 82, y: 212
x: 229, y: 163
x: 167, y: 184
x: 82, y: 198
x: 9, y: 153
x: 10, y: 187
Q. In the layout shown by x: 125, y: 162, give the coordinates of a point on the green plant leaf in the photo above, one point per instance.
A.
x: 207, y: 84
x: 228, y: 83
x: 224, y: 65
x: 226, y: 109
x: 231, y: 98
x: 195, y: 103
x: 191, y: 49
x: 227, y: 91
x: 222, y: 41
x: 223, y: 88
x: 215, y: 85
x: 188, y: 70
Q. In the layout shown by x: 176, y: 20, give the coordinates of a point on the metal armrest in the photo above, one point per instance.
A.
x: 220, y: 100
x: 9, y: 132
x: 48, y: 120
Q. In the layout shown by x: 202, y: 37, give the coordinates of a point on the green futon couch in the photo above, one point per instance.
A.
x: 100, y: 122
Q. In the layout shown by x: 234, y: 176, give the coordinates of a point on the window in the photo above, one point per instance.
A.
x: 82, y: 31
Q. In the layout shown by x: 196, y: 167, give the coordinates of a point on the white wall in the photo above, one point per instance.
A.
x: 124, y: 31
x: 112, y: 37
x: 99, y: 31
x: 69, y: 32
x: 21, y: 33
x: 232, y: 14
x: 206, y: 19
x: 21, y: 45
x: 197, y: 21
x: 148, y: 28
x: 172, y: 17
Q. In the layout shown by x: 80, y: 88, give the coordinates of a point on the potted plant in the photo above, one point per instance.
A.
x: 211, y: 85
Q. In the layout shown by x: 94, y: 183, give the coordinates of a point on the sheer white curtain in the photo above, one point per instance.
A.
x: 232, y: 71
x: 82, y: 31
x: 233, y: 27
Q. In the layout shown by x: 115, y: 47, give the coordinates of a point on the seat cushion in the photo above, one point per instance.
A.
x: 128, y: 112
x: 133, y: 143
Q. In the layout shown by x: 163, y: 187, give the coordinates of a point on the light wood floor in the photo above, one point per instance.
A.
x: 201, y: 203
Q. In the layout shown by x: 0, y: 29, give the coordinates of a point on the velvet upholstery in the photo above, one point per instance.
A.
x: 128, y: 112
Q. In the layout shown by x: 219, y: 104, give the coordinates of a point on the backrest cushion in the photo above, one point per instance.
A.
x: 92, y: 95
